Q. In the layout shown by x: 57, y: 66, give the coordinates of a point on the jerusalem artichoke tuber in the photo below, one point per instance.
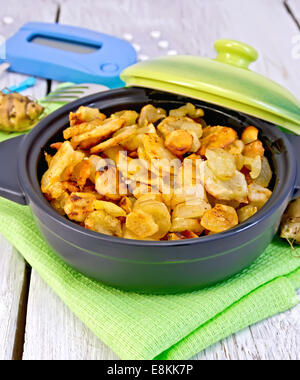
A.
x: 18, y: 113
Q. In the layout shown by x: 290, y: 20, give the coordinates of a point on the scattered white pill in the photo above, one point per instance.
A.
x: 172, y: 52
x: 137, y: 47
x: 8, y: 20
x: 155, y: 34
x: 163, y: 44
x: 143, y: 57
x: 128, y: 36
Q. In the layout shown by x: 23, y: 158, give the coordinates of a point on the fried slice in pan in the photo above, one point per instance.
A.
x: 99, y: 133
x: 124, y: 134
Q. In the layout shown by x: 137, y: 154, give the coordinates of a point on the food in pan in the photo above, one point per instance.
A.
x: 18, y: 113
x: 155, y: 175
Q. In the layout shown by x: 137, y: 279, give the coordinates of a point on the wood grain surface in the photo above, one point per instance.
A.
x: 160, y: 27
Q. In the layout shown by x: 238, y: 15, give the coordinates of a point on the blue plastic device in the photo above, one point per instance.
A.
x: 69, y: 54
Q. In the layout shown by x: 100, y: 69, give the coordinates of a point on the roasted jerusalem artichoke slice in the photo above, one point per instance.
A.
x: 104, y: 223
x: 65, y: 157
x: 79, y: 205
x: 220, y: 218
x: 141, y: 224
x: 234, y: 189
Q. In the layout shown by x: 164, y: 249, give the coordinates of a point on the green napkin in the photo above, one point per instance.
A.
x: 160, y: 327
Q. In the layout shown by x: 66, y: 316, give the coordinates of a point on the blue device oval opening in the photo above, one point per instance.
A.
x: 65, y: 44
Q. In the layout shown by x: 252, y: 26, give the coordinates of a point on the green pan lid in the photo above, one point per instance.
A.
x: 225, y: 81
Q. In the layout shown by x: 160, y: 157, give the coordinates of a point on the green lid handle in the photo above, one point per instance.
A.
x: 235, y: 53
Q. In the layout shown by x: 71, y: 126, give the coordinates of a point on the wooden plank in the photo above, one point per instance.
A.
x: 54, y: 333
x: 188, y: 27
x: 11, y: 282
x: 273, y: 339
x: 13, y: 14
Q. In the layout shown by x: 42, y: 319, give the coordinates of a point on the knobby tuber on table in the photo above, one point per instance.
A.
x: 18, y: 113
x: 290, y: 228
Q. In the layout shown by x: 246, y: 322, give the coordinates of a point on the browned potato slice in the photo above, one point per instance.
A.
x: 220, y: 218
x: 149, y: 197
x: 266, y: 174
x: 254, y: 149
x: 246, y: 212
x: 85, y: 114
x: 149, y: 114
x: 171, y: 124
x: 258, y: 195
x: 160, y: 157
x: 254, y: 164
x: 160, y: 215
x: 221, y: 163
x: 233, y: 189
x: 249, y: 135
x: 236, y: 148
x: 107, y: 183
x: 83, y: 126
x: 217, y: 137
x: 179, y: 142
x: 54, y: 191
x: 124, y: 135
x: 82, y: 172
x: 180, y: 225
x: 113, y: 153
x: 141, y: 224
x: 127, y: 234
x: 107, y: 128
x: 154, y: 148
x: 133, y: 143
x: 191, y: 209
x: 187, y: 110
x: 65, y: 157
x: 104, y: 223
x: 130, y: 117
x: 110, y: 208
x: 79, y: 205
x: 59, y: 203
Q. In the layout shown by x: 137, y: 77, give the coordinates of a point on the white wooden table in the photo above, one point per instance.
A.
x: 34, y: 323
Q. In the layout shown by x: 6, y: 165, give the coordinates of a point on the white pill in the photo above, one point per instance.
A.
x: 137, y: 47
x: 128, y: 36
x: 172, y: 52
x: 143, y: 57
x: 8, y: 20
x: 163, y: 44
x: 155, y: 34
